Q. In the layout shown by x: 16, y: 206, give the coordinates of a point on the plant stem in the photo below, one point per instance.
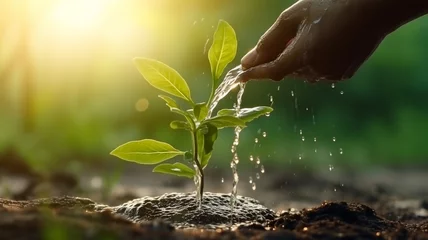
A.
x: 196, y: 160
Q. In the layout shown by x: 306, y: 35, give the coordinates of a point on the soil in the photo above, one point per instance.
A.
x: 376, y: 204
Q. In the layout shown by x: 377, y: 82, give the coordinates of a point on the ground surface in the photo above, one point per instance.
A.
x: 375, y: 204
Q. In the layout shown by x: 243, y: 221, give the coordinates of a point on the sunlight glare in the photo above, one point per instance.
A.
x: 78, y: 15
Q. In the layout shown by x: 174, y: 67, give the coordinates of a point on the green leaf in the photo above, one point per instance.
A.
x: 200, y: 110
x: 180, y: 125
x: 187, y: 115
x: 223, y: 50
x: 147, y: 151
x: 246, y: 114
x: 225, y: 121
x: 171, y: 103
x: 164, y: 78
x: 177, y: 169
x: 208, y: 143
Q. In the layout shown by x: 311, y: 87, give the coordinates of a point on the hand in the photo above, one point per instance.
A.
x: 316, y: 40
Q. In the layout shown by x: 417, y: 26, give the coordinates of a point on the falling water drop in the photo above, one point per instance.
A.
x: 271, y: 100
x: 292, y: 93
x: 341, y: 92
x: 331, y: 154
x: 301, y: 131
x: 330, y: 167
x: 307, y: 109
x: 262, y: 169
x: 258, y: 175
x: 254, y: 186
x: 279, y: 87
x: 264, y: 134
x: 341, y: 151
x: 256, y: 140
x: 303, y: 138
x: 300, y: 156
x: 332, y: 85
x: 316, y: 150
x: 258, y: 161
x: 334, y: 139
x: 250, y: 180
x: 315, y: 139
x: 222, y: 180
x: 267, y: 114
x: 251, y: 158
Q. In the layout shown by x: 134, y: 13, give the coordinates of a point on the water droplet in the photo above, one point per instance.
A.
x: 271, y: 99
x: 258, y: 175
x: 317, y: 20
x: 292, y: 93
x: 251, y: 158
x: 256, y: 140
x: 331, y: 154
x: 262, y: 169
x: 254, y: 186
x: 301, y: 131
x: 334, y: 139
x: 315, y: 139
x: 264, y: 134
x: 341, y: 92
x: 267, y: 114
x: 222, y: 180
x: 335, y: 190
x: 307, y: 109
x: 330, y: 167
x: 340, y: 151
x: 316, y: 150
x: 332, y: 85
x: 303, y: 138
x: 300, y: 156
x: 279, y: 87
x: 258, y: 161
x: 250, y: 180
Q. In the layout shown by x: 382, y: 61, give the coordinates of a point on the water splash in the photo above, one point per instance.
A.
x: 229, y: 83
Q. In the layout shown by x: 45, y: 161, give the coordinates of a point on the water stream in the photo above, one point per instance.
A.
x: 223, y: 89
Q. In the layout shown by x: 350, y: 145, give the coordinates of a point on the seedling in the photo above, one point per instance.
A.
x: 196, y: 120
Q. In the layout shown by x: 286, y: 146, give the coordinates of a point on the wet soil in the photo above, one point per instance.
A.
x: 378, y: 204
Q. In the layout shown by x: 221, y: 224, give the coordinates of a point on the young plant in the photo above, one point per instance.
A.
x: 203, y: 129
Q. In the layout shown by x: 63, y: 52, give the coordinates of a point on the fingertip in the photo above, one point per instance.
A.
x: 250, y: 59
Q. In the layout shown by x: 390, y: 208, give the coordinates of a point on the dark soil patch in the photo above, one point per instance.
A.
x: 77, y: 218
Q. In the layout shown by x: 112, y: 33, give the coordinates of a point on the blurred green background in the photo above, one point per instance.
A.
x: 70, y: 92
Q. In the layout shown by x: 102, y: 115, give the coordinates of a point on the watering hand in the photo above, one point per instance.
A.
x: 326, y: 40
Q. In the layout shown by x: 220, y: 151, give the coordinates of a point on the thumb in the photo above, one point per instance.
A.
x: 275, y: 39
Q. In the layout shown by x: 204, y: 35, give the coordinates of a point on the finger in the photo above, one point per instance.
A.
x: 276, y: 38
x: 288, y: 62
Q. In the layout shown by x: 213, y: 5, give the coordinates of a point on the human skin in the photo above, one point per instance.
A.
x: 326, y: 39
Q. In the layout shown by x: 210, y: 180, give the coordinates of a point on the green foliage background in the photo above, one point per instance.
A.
x: 86, y: 91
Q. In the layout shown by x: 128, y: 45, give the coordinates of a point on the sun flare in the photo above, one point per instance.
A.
x: 78, y: 15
